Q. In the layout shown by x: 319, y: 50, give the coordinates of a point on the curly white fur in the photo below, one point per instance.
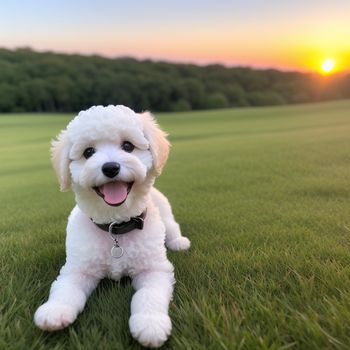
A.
x: 88, y: 247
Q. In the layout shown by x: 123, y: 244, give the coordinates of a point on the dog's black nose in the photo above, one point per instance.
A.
x: 111, y: 169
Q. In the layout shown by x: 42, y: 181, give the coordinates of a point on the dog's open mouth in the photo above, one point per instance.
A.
x: 114, y: 193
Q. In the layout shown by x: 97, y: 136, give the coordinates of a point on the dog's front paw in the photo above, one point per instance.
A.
x: 54, y: 316
x: 151, y: 330
x: 180, y: 243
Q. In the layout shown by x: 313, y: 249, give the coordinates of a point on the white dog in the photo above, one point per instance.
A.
x: 111, y: 157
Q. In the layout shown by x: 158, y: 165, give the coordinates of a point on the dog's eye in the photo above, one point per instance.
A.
x: 89, y: 152
x: 128, y: 146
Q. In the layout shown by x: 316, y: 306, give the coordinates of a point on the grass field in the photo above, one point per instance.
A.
x: 264, y: 195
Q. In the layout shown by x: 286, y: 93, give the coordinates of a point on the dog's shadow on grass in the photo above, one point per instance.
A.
x: 111, y: 301
x: 104, y: 319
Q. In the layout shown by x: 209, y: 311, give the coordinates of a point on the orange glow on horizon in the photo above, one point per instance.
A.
x: 290, y: 51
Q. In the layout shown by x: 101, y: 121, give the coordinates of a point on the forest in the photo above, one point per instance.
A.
x: 33, y: 81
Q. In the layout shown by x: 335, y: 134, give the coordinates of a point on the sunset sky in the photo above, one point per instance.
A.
x: 289, y: 35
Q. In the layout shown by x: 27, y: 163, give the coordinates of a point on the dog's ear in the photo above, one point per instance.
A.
x: 157, y: 138
x: 60, y: 159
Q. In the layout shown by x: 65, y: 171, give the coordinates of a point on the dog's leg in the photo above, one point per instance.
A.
x: 149, y: 321
x: 67, y: 298
x: 173, y: 237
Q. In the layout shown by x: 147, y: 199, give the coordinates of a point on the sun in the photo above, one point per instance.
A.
x: 328, y: 66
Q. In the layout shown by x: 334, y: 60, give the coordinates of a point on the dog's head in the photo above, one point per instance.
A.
x: 109, y: 153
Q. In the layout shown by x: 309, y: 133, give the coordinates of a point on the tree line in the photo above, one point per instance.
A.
x: 51, y: 82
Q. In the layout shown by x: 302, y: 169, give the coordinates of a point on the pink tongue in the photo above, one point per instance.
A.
x: 114, y: 192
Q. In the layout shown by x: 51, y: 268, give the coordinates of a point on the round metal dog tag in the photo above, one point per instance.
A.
x: 117, y: 252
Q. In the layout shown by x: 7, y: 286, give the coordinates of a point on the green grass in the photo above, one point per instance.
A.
x: 264, y: 195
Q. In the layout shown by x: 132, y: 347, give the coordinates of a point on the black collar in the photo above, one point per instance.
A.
x: 123, y: 227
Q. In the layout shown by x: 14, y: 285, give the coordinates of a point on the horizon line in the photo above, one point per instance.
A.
x: 167, y: 60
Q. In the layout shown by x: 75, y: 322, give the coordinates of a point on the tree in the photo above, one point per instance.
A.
x: 216, y: 100
x: 8, y: 98
x: 32, y: 81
